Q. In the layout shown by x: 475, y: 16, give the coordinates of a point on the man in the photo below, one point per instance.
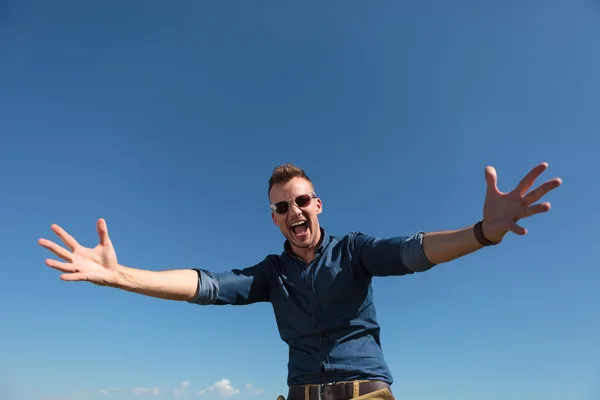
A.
x: 320, y: 285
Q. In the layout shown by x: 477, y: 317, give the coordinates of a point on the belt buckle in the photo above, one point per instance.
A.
x: 320, y: 389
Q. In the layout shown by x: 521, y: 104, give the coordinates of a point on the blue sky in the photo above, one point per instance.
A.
x: 167, y: 121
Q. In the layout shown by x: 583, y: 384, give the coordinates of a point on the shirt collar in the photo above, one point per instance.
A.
x: 323, y: 242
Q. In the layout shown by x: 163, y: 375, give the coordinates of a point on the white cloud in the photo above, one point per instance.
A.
x: 146, y: 391
x: 179, y: 391
x: 223, y: 389
x: 252, y: 390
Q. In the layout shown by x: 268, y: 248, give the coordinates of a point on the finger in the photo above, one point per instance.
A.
x: 61, y: 266
x: 491, y: 178
x: 540, y: 191
x: 56, y: 249
x: 535, y: 209
x: 103, y: 232
x: 517, y: 229
x: 77, y: 276
x: 528, y: 179
x: 65, y: 237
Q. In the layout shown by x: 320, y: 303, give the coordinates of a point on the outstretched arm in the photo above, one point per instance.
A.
x: 99, y: 266
x: 501, y: 213
x: 444, y: 246
x: 181, y: 285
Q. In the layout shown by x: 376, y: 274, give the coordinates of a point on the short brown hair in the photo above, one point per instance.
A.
x: 285, y: 173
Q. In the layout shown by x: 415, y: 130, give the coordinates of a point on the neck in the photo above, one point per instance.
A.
x: 305, y: 254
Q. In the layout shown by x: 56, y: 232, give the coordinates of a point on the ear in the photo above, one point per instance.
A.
x: 274, y: 218
x: 319, y: 205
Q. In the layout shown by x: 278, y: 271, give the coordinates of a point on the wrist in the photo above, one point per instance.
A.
x: 121, y: 279
x: 479, y: 230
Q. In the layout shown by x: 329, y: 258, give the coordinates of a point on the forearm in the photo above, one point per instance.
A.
x: 181, y: 285
x: 446, y: 246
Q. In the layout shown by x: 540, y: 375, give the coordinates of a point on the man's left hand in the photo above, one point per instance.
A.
x: 502, y: 211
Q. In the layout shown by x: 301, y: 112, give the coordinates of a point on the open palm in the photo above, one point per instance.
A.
x: 502, y: 211
x: 98, y: 265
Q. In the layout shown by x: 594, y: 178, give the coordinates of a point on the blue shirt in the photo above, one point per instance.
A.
x: 324, y: 310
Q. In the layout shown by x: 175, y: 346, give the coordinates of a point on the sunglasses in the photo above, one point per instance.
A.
x: 281, y: 207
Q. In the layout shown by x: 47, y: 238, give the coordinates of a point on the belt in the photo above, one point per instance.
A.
x: 335, y: 391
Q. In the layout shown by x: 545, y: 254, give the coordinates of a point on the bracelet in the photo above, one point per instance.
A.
x: 478, y: 229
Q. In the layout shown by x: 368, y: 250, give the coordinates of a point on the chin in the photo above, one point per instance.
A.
x: 303, y: 243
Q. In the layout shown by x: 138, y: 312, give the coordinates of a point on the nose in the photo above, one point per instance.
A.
x: 294, y: 210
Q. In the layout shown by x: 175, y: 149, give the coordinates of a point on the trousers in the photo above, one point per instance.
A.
x: 355, y: 390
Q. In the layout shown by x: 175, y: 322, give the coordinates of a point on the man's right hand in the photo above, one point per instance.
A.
x: 98, y: 265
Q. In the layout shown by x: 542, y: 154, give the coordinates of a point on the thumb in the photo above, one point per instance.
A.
x: 103, y: 232
x: 492, y: 180
x: 75, y: 276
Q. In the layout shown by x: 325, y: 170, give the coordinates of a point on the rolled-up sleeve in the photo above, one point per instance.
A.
x: 393, y: 256
x: 234, y: 287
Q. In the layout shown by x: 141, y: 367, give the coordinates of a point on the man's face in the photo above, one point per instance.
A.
x: 299, y: 224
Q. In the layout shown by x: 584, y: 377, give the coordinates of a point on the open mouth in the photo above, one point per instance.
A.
x: 299, y: 228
